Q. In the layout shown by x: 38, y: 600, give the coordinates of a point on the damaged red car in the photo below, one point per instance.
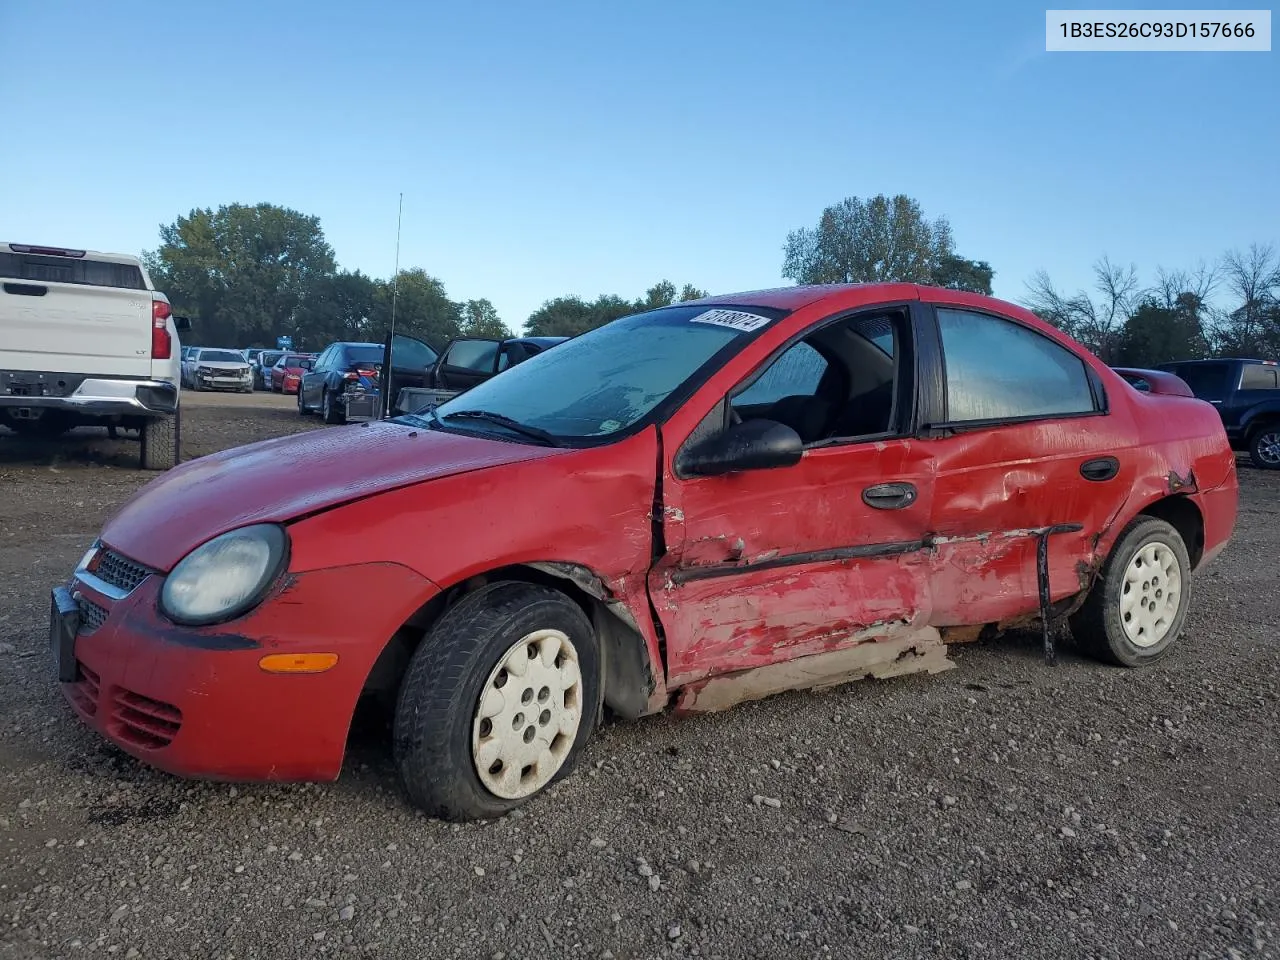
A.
x: 696, y: 505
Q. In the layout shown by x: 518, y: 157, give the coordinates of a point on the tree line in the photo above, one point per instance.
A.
x: 251, y: 273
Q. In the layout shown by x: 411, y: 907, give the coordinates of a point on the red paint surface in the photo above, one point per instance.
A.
x: 382, y: 516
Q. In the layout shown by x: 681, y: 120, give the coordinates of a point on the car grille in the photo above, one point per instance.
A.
x: 144, y: 722
x: 120, y: 572
x: 86, y: 691
x: 92, y: 616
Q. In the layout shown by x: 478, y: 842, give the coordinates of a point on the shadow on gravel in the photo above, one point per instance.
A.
x: 84, y: 446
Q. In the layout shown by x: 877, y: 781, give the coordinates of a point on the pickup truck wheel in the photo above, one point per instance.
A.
x: 1264, y: 447
x: 332, y: 412
x: 161, y: 437
x: 1138, y: 604
x: 498, y: 702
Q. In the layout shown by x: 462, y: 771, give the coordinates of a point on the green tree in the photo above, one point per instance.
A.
x: 570, y: 316
x: 957, y: 273
x: 422, y: 309
x: 480, y: 319
x: 879, y: 239
x: 337, y: 307
x: 1156, y: 334
x: 242, y: 271
x: 664, y: 294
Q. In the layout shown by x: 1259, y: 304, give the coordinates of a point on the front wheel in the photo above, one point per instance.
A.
x: 1138, y: 604
x: 1264, y: 448
x: 302, y: 407
x: 499, y: 700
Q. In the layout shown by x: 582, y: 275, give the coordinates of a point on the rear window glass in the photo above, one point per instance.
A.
x: 1260, y: 376
x: 1208, y: 381
x: 221, y: 356
x: 97, y: 273
x: 369, y: 355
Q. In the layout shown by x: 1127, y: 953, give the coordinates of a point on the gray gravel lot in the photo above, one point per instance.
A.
x: 1003, y: 809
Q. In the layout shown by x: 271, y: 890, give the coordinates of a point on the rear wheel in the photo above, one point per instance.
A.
x: 161, y: 439
x: 1137, y: 606
x: 499, y: 700
x: 1264, y: 447
x: 332, y: 411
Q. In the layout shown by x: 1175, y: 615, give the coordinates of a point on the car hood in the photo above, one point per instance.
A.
x: 222, y: 365
x: 288, y: 477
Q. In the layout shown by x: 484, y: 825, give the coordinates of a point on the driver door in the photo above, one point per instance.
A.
x: 466, y: 362
x: 764, y: 566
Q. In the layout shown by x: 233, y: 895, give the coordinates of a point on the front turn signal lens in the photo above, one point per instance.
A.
x: 298, y: 662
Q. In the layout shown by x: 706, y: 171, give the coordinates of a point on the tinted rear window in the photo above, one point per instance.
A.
x: 97, y: 273
x: 1208, y: 381
x: 363, y: 355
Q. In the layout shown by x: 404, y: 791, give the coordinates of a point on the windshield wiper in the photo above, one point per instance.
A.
x: 515, y: 426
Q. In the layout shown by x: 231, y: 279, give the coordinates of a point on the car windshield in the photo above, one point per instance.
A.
x: 221, y: 356
x: 609, y: 379
x: 291, y: 361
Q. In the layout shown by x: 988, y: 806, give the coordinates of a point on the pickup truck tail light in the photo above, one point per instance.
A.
x: 161, y: 342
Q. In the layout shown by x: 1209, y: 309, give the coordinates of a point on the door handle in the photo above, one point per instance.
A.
x: 26, y: 289
x: 889, y: 496
x: 1103, y: 468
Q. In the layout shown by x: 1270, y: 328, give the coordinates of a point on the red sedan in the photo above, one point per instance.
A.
x: 697, y: 505
x: 286, y: 375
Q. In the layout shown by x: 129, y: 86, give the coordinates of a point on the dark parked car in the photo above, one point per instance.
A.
x: 1247, y: 395
x: 261, y: 365
x: 418, y: 377
x: 343, y: 384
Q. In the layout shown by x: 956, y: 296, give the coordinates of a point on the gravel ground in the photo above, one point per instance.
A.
x: 1003, y: 809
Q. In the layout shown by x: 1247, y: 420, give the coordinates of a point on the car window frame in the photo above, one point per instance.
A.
x: 934, y: 419
x: 906, y: 373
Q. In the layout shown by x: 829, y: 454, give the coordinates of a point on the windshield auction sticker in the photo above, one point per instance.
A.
x: 734, y: 319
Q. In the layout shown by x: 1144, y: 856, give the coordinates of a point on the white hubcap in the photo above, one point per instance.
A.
x: 528, y: 716
x: 1151, y: 594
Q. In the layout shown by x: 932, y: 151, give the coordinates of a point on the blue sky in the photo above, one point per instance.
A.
x: 571, y: 147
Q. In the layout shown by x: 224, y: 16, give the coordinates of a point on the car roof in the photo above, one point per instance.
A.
x: 539, y: 341
x: 355, y: 343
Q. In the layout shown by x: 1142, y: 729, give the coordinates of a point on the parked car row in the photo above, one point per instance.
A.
x: 347, y: 381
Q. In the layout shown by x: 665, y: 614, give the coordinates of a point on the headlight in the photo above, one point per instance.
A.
x: 226, y: 576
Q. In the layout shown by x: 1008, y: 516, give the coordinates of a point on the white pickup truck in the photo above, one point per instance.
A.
x: 86, y: 339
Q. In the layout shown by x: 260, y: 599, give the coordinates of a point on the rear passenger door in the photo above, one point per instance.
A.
x: 1024, y: 442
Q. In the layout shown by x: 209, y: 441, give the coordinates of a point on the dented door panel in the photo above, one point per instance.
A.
x: 769, y: 565
x: 997, y: 488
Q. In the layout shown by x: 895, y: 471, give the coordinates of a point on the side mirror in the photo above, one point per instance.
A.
x: 750, y: 445
x: 181, y: 323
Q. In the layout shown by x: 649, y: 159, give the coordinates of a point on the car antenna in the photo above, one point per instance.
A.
x: 395, y: 277
x: 384, y: 376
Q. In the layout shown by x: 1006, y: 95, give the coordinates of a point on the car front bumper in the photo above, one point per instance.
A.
x: 194, y: 702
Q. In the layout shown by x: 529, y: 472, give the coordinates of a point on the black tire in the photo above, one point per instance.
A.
x: 1264, y: 446
x: 441, y: 691
x: 161, y: 442
x: 1099, y: 625
x: 332, y: 412
x: 302, y: 407
x: 48, y: 426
